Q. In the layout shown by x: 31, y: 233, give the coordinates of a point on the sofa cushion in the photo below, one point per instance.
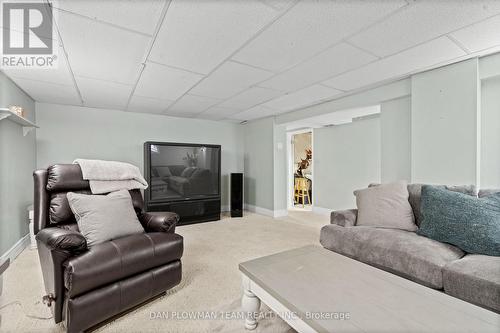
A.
x: 472, y: 224
x: 401, y: 252
x: 475, y: 279
x: 120, y: 258
x: 163, y: 171
x: 188, y: 172
x: 385, y: 206
x: 415, y: 191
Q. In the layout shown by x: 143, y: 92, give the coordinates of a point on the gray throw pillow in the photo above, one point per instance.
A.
x: 472, y: 224
x: 102, y: 218
x: 385, y: 206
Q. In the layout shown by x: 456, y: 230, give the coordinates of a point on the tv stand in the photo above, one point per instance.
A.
x: 190, y: 211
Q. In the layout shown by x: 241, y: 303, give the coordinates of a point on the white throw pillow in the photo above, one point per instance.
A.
x: 102, y: 218
x: 385, y: 206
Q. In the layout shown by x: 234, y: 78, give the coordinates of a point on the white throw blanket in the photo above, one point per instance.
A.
x: 110, y: 176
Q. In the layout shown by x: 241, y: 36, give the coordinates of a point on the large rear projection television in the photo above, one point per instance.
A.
x: 183, y: 178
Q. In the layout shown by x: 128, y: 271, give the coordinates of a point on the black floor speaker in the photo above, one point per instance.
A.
x: 236, y: 195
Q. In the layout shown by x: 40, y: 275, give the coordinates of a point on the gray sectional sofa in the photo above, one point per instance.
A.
x: 470, y: 277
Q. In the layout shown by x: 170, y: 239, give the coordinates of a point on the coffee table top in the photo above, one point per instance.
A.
x: 316, y: 283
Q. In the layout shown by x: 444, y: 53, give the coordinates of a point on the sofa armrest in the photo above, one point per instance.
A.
x: 159, y: 221
x: 344, y: 218
x: 62, y: 239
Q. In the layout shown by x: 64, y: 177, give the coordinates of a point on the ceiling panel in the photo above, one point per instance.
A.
x: 417, y: 58
x: 256, y: 112
x: 103, y: 94
x: 163, y: 82
x: 49, y: 92
x: 251, y: 97
x: 199, y: 35
x: 217, y: 113
x: 102, y: 51
x: 480, y: 36
x: 310, y: 27
x: 191, y: 104
x: 60, y: 75
x: 302, y: 98
x: 230, y: 79
x: 335, y: 60
x: 138, y: 15
x: 148, y: 105
x: 422, y: 21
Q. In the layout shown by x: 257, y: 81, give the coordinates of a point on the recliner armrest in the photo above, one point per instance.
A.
x: 159, y: 221
x: 344, y: 218
x: 61, y: 239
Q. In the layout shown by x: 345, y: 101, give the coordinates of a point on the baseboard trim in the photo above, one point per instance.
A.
x: 265, y: 211
x: 17, y: 248
x: 322, y: 211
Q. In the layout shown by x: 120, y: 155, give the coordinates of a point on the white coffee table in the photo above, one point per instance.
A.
x: 316, y: 290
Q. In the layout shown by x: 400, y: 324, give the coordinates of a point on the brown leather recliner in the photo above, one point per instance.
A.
x: 88, y: 286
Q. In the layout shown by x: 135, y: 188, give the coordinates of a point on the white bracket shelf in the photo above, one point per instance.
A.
x: 27, y: 125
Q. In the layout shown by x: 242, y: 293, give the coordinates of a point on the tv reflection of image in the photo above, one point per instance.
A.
x: 181, y: 172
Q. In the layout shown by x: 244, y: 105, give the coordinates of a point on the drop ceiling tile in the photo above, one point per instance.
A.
x: 199, y: 35
x: 148, y: 105
x: 414, y: 59
x: 59, y: 75
x: 229, y: 79
x: 334, y: 61
x: 301, y: 98
x: 310, y: 27
x: 191, y: 105
x: 480, y: 36
x: 162, y: 82
x: 422, y: 21
x: 256, y: 112
x: 49, y: 92
x: 251, y: 97
x: 103, y: 94
x: 102, y: 51
x: 217, y: 113
x: 138, y: 15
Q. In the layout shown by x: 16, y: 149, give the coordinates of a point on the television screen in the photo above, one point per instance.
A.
x: 183, y: 171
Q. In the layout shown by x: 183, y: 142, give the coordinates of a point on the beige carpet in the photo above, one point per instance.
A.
x: 211, y: 280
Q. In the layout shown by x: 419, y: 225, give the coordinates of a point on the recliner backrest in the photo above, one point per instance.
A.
x: 52, y: 206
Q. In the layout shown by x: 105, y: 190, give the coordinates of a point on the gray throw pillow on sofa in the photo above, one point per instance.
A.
x: 385, y: 206
x: 472, y: 224
x: 102, y: 218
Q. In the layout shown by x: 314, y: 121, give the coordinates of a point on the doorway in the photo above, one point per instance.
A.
x: 300, y: 170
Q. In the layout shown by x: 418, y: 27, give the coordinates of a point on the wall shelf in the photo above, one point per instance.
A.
x: 27, y: 125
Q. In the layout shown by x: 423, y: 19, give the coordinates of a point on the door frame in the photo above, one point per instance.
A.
x: 291, y: 165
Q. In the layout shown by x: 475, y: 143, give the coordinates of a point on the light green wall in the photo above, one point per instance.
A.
x: 280, y: 169
x: 490, y: 133
x: 444, y: 124
x: 17, y: 162
x: 70, y: 132
x: 346, y: 157
x: 395, y: 125
x: 259, y: 163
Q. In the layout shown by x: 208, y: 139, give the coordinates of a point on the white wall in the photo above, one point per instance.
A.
x: 490, y: 133
x: 444, y: 124
x: 346, y: 157
x: 259, y: 163
x: 395, y: 127
x: 69, y: 132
